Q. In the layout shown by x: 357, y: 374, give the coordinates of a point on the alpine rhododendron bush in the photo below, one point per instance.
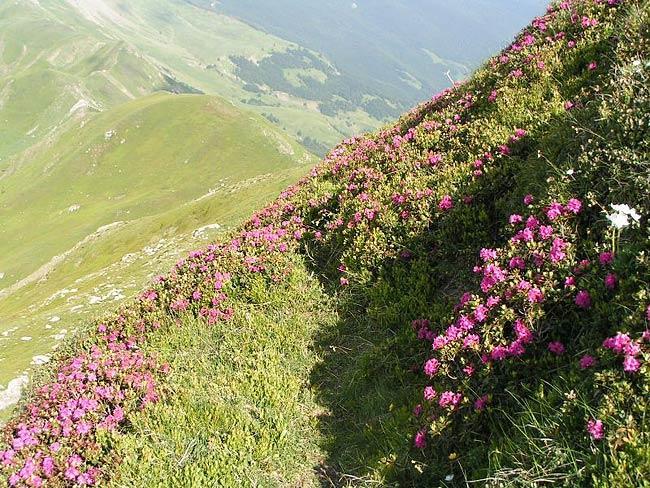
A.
x: 482, y: 272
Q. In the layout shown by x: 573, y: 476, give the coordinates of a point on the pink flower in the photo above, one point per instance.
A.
x: 429, y: 393
x: 417, y: 410
x: 535, y: 295
x: 481, y: 403
x: 470, y: 341
x: 587, y: 361
x: 595, y: 429
x: 446, y: 203
x: 481, y: 313
x: 519, y: 133
x: 434, y: 159
x: 439, y: 342
x: 569, y: 282
x: 554, y: 211
x: 449, y: 399
x: 431, y: 367
x: 557, y: 253
x: 517, y: 73
x: 592, y: 66
x: 344, y: 281
x: 574, y: 205
x: 618, y: 343
x: 516, y: 349
x: 492, y: 274
x: 606, y: 258
x: 532, y: 223
x: 528, y: 199
x: 420, y: 440
x: 499, y: 353
x: 493, y: 96
x: 556, y: 347
x: 631, y: 364
x: 515, y: 219
x: 48, y: 466
x: 523, y: 332
x: 583, y: 299
x: 611, y: 281
x: 545, y: 231
x: 517, y: 262
x: 488, y: 254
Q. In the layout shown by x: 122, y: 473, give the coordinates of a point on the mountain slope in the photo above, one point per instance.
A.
x: 393, y: 51
x: 55, y: 68
x: 116, y: 184
x: 461, y: 297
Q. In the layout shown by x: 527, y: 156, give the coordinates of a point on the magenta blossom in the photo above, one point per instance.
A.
x: 446, y: 203
x: 431, y: 367
x: 596, y: 429
x: 481, y: 403
x: 429, y: 393
x: 535, y: 295
x: 606, y: 258
x: 449, y: 399
x: 556, y: 347
x: 583, y: 299
x: 420, y: 440
x: 631, y: 364
x: 611, y: 281
x: 515, y: 219
x: 587, y: 361
x: 574, y: 205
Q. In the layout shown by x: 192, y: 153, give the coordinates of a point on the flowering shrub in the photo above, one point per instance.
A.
x: 538, y: 269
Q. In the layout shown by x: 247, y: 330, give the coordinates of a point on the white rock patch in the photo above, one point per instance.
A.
x: 40, y: 359
x: 11, y: 394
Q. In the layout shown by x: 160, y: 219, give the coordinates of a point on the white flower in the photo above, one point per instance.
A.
x: 625, y: 209
x: 449, y: 477
x: 619, y: 220
x: 570, y: 172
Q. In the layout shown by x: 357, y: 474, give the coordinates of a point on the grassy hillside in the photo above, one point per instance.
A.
x: 196, y: 46
x: 116, y: 185
x: 54, y: 69
x: 461, y: 297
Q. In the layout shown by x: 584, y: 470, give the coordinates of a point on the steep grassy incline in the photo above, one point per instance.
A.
x: 461, y: 297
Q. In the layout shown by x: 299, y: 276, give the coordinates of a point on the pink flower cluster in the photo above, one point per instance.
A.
x: 55, y: 439
x: 623, y: 345
x: 535, y: 250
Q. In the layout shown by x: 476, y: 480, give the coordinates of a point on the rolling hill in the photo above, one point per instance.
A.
x: 129, y: 180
